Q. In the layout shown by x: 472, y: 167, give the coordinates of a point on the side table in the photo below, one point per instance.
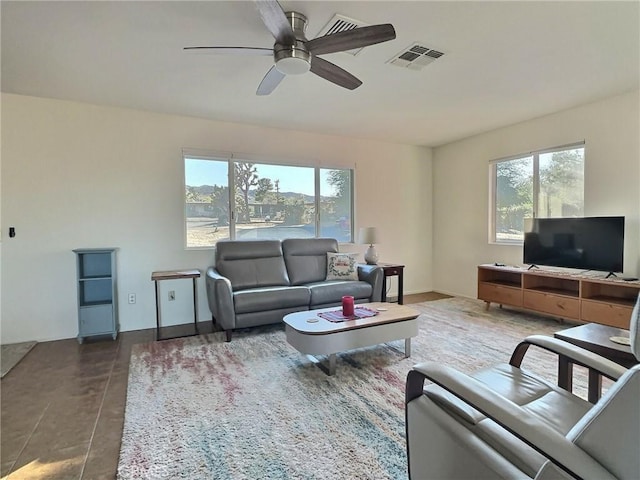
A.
x: 390, y: 270
x: 176, y: 275
x: 595, y: 338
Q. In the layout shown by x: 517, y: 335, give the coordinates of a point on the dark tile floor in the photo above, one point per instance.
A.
x: 63, y: 406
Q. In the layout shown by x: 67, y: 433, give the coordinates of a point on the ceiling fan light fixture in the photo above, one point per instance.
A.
x: 293, y: 65
x: 292, y: 59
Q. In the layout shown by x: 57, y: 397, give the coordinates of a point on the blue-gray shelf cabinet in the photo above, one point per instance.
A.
x: 97, y: 292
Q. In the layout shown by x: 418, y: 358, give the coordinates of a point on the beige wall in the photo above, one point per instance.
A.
x: 77, y: 175
x: 611, y: 130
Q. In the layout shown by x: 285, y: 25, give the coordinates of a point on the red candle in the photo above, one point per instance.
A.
x: 347, y: 306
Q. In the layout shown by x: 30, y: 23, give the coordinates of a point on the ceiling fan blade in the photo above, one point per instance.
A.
x: 230, y: 50
x: 350, y: 39
x: 276, y: 21
x: 334, y: 73
x: 270, y: 81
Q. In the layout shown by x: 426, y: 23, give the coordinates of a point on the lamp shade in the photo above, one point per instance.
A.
x: 368, y: 235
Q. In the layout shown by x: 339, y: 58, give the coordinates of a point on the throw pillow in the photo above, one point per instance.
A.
x: 341, y: 266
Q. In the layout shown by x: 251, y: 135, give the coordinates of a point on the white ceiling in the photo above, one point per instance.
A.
x: 504, y: 62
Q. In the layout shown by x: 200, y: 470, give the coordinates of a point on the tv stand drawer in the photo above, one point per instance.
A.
x: 500, y: 294
x: 606, y: 314
x: 557, y: 305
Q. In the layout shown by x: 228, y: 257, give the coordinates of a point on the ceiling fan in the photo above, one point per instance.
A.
x: 294, y: 54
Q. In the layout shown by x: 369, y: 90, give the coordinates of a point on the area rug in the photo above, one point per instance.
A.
x: 11, y: 354
x: 255, y: 408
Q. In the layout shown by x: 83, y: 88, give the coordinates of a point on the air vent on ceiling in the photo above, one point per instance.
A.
x: 340, y: 23
x: 415, y: 57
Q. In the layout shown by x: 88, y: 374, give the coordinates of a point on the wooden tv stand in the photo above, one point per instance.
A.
x: 562, y: 294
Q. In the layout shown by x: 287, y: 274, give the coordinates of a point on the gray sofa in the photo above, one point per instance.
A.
x: 259, y: 282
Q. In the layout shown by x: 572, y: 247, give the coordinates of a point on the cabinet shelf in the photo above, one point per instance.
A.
x: 504, y: 283
x: 93, y: 304
x: 97, y: 277
x: 555, y: 291
x: 563, y: 295
x: 627, y: 302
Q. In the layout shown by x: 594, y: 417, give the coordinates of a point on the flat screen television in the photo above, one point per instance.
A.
x: 588, y: 243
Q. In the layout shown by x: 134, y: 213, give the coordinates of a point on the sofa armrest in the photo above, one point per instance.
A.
x: 373, y: 275
x: 220, y: 297
x: 554, y: 446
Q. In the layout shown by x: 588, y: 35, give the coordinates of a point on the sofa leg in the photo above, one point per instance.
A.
x: 228, y: 334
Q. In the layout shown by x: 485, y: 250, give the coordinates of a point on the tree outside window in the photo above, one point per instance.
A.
x: 335, y: 204
x: 543, y: 184
x: 270, y: 201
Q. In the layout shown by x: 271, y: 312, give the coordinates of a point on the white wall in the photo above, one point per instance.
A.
x: 611, y: 130
x: 76, y: 175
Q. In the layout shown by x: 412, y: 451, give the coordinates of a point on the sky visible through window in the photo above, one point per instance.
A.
x: 297, y: 179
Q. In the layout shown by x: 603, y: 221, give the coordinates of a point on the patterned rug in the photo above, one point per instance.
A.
x: 255, y: 408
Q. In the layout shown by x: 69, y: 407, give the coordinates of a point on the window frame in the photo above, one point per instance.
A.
x: 536, y: 185
x: 231, y: 159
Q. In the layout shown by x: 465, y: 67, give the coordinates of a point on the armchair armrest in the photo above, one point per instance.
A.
x: 220, y: 298
x: 577, y: 355
x: 548, y: 442
x: 373, y: 275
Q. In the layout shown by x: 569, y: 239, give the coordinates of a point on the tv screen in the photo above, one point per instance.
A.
x: 589, y: 243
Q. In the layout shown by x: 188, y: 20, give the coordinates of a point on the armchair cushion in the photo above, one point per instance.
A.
x: 517, y: 421
x: 555, y: 406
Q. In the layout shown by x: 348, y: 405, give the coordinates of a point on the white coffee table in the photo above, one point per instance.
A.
x: 313, y: 335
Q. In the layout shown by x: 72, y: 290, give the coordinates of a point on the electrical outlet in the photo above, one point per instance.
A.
x: 172, y: 295
x: 132, y: 298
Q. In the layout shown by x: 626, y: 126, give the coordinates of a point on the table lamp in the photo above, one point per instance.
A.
x: 369, y: 235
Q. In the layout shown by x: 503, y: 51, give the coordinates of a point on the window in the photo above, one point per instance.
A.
x: 335, y: 203
x: 207, y: 210
x: 547, y: 183
x: 235, y: 199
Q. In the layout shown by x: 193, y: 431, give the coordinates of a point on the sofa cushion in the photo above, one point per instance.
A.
x: 341, y: 266
x: 306, y: 258
x: 251, y: 263
x: 270, y: 298
x: 331, y: 292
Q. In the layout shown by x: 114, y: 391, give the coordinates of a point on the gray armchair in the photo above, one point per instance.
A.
x: 504, y: 422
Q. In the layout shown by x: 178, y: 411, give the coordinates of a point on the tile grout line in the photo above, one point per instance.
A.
x: 104, y: 395
x: 13, y: 464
